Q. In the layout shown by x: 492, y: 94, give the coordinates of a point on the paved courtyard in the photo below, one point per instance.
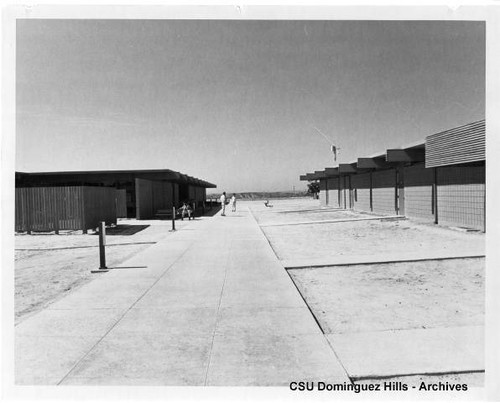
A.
x: 395, y: 298
x: 213, y: 307
x: 216, y: 306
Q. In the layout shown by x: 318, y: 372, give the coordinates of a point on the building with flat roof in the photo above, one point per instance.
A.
x: 76, y: 199
x: 440, y: 180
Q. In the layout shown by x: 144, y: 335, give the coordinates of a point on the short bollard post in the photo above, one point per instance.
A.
x: 102, y: 248
x: 173, y: 218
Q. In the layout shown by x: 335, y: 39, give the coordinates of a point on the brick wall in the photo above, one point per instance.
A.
x: 461, y: 196
x: 322, y: 192
x: 384, y: 183
x: 333, y: 193
x: 418, y: 192
x: 361, y: 190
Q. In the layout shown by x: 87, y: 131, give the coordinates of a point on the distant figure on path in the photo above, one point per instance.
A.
x: 266, y: 203
x: 223, y: 203
x: 233, y: 203
x: 185, y: 209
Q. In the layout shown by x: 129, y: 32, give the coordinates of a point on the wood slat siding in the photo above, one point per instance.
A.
x: 191, y: 193
x: 121, y: 203
x: 48, y: 208
x: 460, y: 145
x: 63, y: 207
x: 198, y: 193
x: 99, y: 205
x: 143, y: 199
x: 175, y: 194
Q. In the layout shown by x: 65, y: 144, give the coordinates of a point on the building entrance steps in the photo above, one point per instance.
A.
x: 213, y: 306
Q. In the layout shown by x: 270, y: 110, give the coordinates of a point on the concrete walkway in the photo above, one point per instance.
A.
x: 411, y: 351
x: 213, y: 307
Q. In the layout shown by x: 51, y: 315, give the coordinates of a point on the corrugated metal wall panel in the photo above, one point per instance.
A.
x: 461, y: 196
x: 460, y: 145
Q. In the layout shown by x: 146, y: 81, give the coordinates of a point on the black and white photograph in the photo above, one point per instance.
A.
x: 287, y: 198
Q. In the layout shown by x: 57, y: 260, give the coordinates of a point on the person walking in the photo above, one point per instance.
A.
x: 233, y: 203
x: 223, y: 203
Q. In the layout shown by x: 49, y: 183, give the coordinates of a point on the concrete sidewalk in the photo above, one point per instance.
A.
x: 213, y: 307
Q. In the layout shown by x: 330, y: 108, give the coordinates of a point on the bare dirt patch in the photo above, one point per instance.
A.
x: 407, y: 295
x: 286, y: 217
x: 362, y: 238
x: 48, y: 266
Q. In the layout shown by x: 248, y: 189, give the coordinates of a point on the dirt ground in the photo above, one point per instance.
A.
x: 285, y: 217
x: 363, y: 238
x: 48, y: 266
x: 407, y: 295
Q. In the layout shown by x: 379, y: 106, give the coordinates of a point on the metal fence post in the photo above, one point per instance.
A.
x: 102, y: 248
x: 173, y: 218
x: 102, y: 245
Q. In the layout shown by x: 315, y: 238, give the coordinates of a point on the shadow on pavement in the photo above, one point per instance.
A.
x: 124, y: 229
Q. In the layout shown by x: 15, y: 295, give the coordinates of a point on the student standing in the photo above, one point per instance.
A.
x: 233, y: 203
x: 223, y: 203
x: 185, y: 209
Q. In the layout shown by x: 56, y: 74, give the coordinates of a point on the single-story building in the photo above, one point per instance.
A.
x: 79, y: 199
x: 439, y: 180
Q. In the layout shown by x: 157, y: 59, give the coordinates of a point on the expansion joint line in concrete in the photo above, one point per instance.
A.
x: 89, y: 246
x: 303, y: 299
x: 216, y: 320
x: 320, y: 327
x: 127, y: 311
x: 386, y: 218
x: 319, y: 210
x: 382, y: 377
x: 262, y: 232
x: 326, y: 264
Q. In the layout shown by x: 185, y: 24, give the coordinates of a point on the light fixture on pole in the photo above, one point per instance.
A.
x: 335, y: 150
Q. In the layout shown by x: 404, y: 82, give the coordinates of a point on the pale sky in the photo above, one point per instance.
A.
x: 235, y: 102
